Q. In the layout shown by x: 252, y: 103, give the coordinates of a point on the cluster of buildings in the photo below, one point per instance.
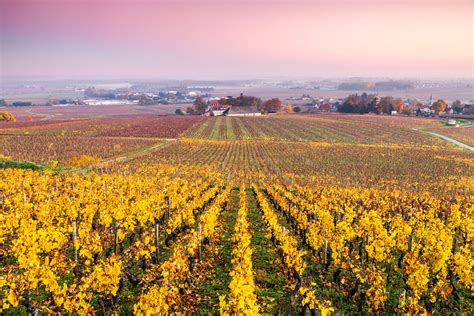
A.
x: 310, y: 104
x: 145, y: 95
x: 214, y: 108
x: 162, y: 97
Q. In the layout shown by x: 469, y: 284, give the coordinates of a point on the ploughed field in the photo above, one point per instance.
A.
x: 330, y: 214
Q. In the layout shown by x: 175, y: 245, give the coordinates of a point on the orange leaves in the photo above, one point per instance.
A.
x: 462, y: 263
x: 293, y: 257
x: 379, y: 242
x: 46, y: 218
x: 105, y: 276
x: 309, y: 297
x: 7, y: 116
x: 370, y: 233
x: 174, y: 271
x: 83, y: 161
x: 60, y: 227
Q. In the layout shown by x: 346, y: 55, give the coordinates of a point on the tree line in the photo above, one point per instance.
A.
x: 366, y: 103
x: 272, y: 105
x: 371, y: 103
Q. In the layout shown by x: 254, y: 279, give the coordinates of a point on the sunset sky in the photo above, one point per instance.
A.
x: 236, y: 39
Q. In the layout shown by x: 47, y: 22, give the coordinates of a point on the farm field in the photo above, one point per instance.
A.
x: 285, y: 214
x: 315, y: 128
x: 343, y: 164
x: 66, y: 149
x: 45, y: 113
x: 130, y: 126
x: 462, y: 134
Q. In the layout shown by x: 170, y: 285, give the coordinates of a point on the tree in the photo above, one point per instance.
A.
x: 144, y: 100
x: 384, y: 105
x: 439, y: 106
x: 288, y: 107
x: 470, y: 109
x: 178, y: 112
x: 3, y: 102
x: 7, y: 116
x: 457, y: 106
x: 272, y: 106
x: 22, y: 103
x: 407, y: 111
x: 297, y: 109
x: 222, y: 101
x: 256, y: 102
x: 397, y: 105
x: 357, y: 104
x: 190, y: 110
x: 389, y: 104
x: 199, y: 106
x: 242, y: 100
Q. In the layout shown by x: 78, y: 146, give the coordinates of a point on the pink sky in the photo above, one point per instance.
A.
x: 236, y: 39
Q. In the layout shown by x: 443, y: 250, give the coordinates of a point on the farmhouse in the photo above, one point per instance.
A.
x: 425, y: 110
x: 324, y: 107
x: 242, y: 111
x: 217, y: 112
x: 214, y: 108
x: 215, y: 105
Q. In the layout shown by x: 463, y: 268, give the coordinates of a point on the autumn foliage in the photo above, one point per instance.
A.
x: 439, y: 106
x: 7, y: 116
x: 83, y: 161
x: 272, y: 106
x: 286, y: 214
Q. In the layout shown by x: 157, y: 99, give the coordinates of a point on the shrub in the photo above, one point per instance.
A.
x: 83, y: 161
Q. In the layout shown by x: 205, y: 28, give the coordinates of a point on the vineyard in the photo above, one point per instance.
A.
x: 64, y: 149
x: 462, y: 134
x: 307, y: 128
x: 281, y: 215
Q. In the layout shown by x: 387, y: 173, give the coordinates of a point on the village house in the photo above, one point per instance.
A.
x: 214, y: 108
x: 242, y: 111
x: 323, y: 107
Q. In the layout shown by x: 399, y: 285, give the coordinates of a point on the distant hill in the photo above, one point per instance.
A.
x: 376, y: 86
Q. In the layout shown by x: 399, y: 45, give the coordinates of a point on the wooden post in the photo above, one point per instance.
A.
x: 289, y: 211
x: 74, y: 238
x: 453, y: 244
x: 169, y: 206
x: 116, y: 241
x: 157, y: 239
x: 325, y: 251
x: 200, y: 242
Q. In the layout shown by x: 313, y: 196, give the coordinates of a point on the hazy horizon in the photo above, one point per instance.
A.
x: 236, y: 40
x: 229, y: 78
